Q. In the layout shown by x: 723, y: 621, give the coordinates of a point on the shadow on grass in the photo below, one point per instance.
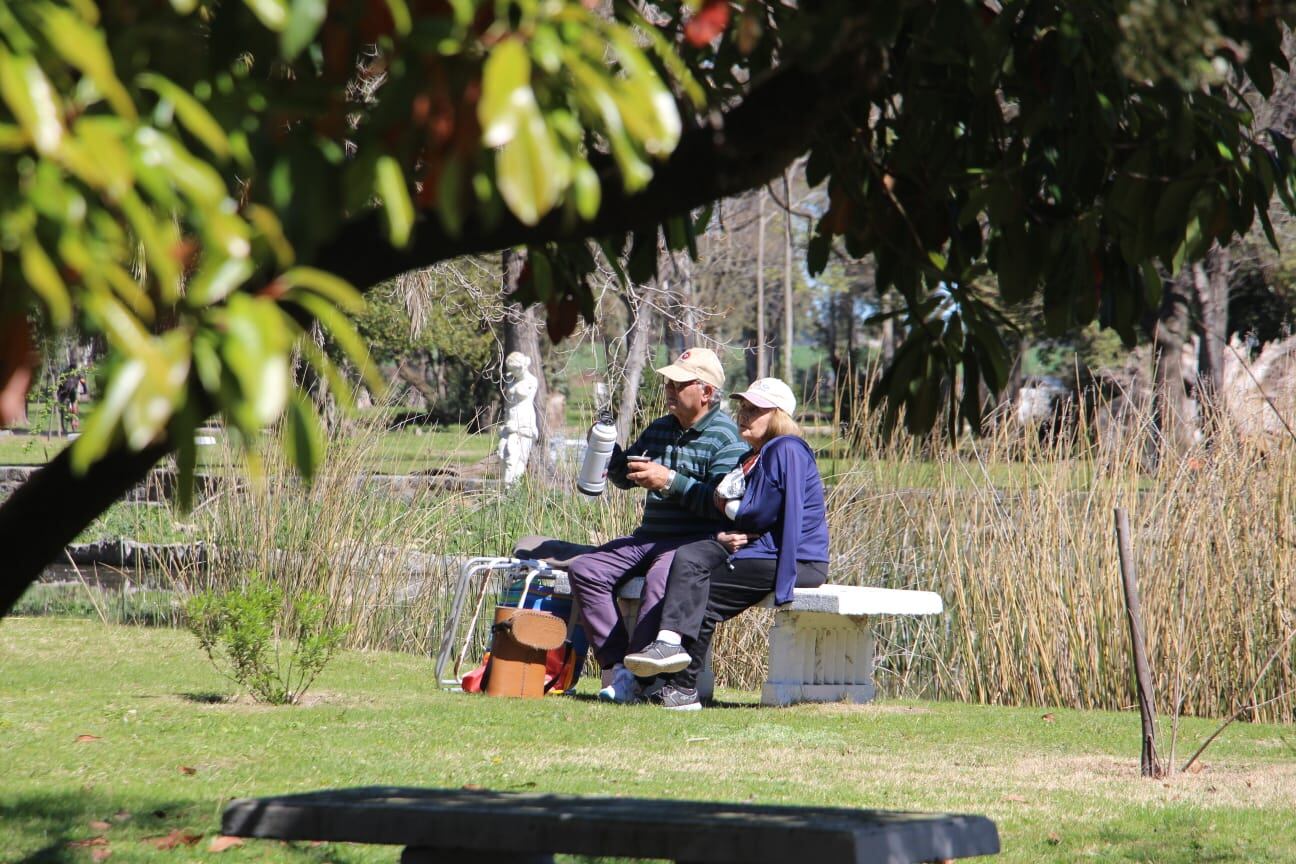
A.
x: 207, y: 698
x: 75, y: 828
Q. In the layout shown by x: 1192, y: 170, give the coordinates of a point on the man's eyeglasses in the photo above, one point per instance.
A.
x: 679, y: 385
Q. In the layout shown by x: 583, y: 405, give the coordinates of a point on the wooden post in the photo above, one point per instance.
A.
x: 762, y: 362
x: 1151, y: 766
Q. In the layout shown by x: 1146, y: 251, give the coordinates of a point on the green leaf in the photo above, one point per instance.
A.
x: 273, y: 13
x: 527, y: 169
x: 123, y: 330
x: 594, y: 93
x: 343, y: 333
x: 325, y: 284
x: 35, y: 105
x: 303, y: 437
x: 665, y: 52
x: 304, y: 20
x: 85, y: 48
x: 614, y: 261
x: 270, y: 230
x: 642, y: 264
x: 217, y: 280
x: 817, y: 253
x: 255, y: 349
x: 506, y: 92
x: 44, y: 279
x: 174, y: 164
x: 99, y: 428
x: 449, y: 189
x: 338, y: 384
x: 157, y: 239
x: 191, y: 113
x: 389, y: 186
x: 647, y: 106
x: 400, y: 16
x: 586, y: 189
x: 154, y: 401
x: 96, y: 153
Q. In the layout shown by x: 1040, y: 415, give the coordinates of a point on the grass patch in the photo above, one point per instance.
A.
x: 144, y: 523
x: 170, y: 749
x: 24, y: 449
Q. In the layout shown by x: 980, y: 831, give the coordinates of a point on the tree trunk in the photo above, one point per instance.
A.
x: 1211, y: 284
x: 48, y: 511
x: 762, y: 358
x: 788, y: 311
x: 637, y: 344
x: 691, y: 332
x: 522, y: 333
x: 1169, y: 336
x: 888, y: 335
x: 417, y: 378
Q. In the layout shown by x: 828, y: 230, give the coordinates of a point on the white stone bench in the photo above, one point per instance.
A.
x: 821, y: 644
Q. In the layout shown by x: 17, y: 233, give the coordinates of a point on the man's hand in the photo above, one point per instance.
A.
x: 734, y: 540
x: 648, y: 475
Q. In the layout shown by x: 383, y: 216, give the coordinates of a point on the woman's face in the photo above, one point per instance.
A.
x: 753, y: 423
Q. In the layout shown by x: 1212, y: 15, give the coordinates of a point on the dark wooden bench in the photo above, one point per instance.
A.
x: 453, y: 825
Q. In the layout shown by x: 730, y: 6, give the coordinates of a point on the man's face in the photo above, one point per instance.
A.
x: 686, y: 400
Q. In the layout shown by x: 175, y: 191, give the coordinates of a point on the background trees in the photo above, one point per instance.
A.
x: 199, y: 182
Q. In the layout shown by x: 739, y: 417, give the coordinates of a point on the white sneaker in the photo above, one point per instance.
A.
x: 624, y: 689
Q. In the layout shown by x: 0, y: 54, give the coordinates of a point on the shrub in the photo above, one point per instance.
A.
x: 274, y: 649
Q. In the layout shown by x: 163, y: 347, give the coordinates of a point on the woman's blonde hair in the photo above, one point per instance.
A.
x: 781, y: 423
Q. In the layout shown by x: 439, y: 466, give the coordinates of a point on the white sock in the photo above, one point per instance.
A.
x: 670, y: 637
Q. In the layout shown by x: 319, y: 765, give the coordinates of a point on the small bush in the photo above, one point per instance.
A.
x: 274, y: 649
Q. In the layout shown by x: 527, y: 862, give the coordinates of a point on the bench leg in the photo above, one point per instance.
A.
x: 819, y: 657
x: 431, y: 855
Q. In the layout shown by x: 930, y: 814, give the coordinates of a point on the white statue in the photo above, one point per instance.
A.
x: 519, y: 430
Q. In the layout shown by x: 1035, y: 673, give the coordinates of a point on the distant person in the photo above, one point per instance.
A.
x: 70, y: 390
x: 678, y: 459
x: 778, y: 541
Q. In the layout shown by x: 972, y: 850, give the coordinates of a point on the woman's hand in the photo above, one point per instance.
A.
x: 734, y: 540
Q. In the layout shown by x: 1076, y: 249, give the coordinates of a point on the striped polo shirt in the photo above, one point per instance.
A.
x: 700, y: 455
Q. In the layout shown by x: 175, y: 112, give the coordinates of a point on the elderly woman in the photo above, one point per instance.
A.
x: 779, y: 542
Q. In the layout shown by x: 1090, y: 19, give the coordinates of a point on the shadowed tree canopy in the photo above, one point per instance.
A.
x: 200, y: 181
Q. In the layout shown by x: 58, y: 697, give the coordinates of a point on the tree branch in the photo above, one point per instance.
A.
x: 54, y: 506
x: 745, y: 147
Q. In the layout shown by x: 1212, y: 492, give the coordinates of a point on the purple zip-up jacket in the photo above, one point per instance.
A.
x: 784, y: 503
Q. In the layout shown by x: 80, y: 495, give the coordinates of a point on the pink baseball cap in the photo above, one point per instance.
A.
x: 769, y: 393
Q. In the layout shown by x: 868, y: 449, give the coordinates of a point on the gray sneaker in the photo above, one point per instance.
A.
x: 659, y: 658
x: 674, y: 698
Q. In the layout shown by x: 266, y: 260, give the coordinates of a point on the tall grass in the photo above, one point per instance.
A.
x: 1016, y: 535
x: 1018, y: 538
x: 385, y: 556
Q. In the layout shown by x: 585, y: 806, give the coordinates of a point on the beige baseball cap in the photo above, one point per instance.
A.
x: 769, y: 393
x: 696, y: 364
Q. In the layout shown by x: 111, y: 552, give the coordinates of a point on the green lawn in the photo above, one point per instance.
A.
x: 167, y: 752
x: 23, y: 449
x: 407, y: 450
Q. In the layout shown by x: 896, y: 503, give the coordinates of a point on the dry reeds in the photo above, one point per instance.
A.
x: 1017, y: 538
x: 1014, y: 533
x: 385, y: 552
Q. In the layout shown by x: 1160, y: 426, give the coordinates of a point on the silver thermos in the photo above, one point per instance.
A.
x: 598, y: 452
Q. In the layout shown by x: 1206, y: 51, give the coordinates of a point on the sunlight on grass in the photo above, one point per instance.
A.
x: 169, y: 746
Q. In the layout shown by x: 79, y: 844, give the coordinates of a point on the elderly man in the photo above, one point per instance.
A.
x: 679, y: 459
